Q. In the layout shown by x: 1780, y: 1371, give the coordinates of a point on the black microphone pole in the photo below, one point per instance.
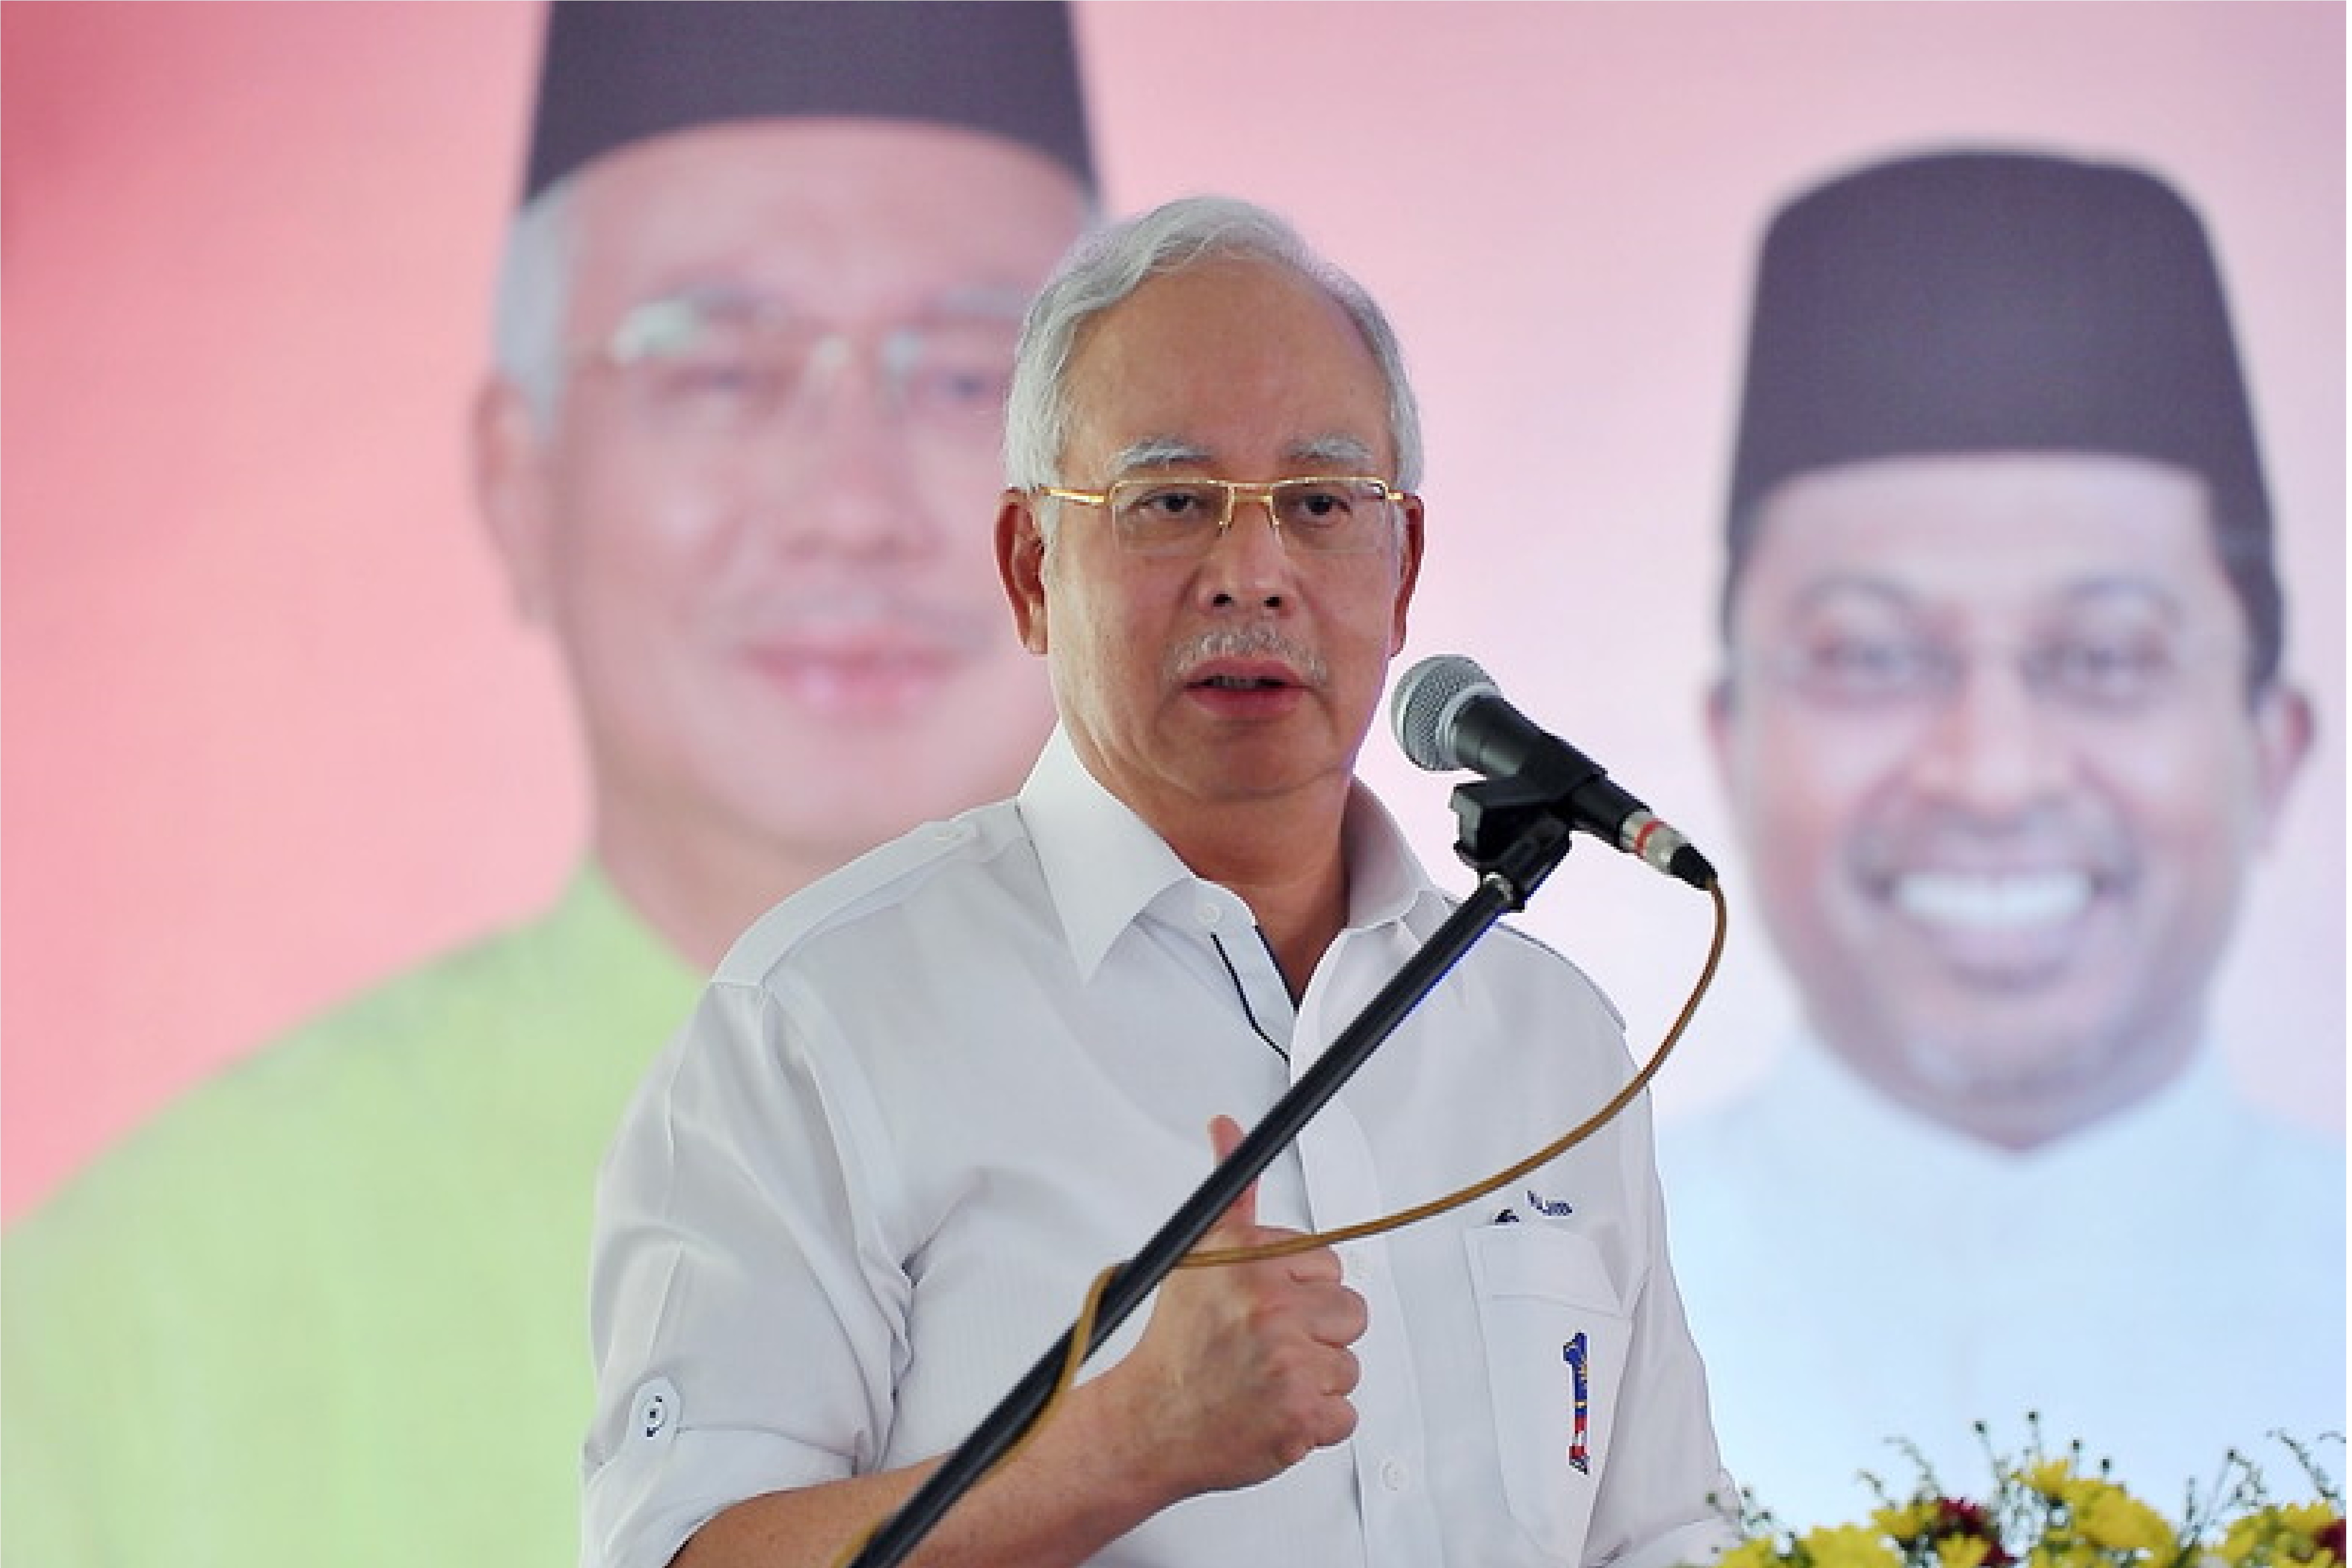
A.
x: 1515, y: 841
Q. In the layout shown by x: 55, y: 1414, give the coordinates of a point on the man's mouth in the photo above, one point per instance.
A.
x: 1994, y: 903
x: 1245, y: 689
x: 859, y: 678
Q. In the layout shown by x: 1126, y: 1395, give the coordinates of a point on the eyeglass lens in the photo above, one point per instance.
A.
x: 727, y: 370
x: 1176, y: 516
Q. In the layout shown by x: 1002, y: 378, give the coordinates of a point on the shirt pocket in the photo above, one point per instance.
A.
x: 1556, y: 1338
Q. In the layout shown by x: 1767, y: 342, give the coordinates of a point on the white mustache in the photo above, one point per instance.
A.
x: 1260, y: 640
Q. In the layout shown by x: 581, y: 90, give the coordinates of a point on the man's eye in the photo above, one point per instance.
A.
x: 954, y: 387
x: 2105, y: 671
x: 1175, y: 503
x: 714, y: 378
x: 1864, y: 659
x: 1321, y: 503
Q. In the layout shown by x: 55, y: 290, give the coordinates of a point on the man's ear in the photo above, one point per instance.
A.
x: 1720, y: 738
x: 1021, y: 563
x: 510, y: 492
x: 1408, y: 547
x: 2283, y: 731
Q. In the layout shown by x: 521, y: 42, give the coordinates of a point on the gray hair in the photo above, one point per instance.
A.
x: 1113, y: 263
x: 527, y: 309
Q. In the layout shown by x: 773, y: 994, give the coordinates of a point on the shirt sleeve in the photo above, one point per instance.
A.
x: 747, y: 1313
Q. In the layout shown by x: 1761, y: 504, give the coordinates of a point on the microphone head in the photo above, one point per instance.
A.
x: 1428, y: 698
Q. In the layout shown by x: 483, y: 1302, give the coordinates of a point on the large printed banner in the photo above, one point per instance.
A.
x: 283, y: 718
x: 274, y: 731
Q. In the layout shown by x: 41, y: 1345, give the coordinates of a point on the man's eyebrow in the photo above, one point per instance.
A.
x: 1159, y: 452
x: 1334, y: 453
x: 2104, y: 590
x: 710, y: 294
x: 1320, y: 454
x: 1845, y: 584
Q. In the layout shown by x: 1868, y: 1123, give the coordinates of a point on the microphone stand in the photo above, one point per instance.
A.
x: 1514, y: 836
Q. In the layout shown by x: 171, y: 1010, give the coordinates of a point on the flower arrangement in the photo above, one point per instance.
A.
x: 2046, y: 1511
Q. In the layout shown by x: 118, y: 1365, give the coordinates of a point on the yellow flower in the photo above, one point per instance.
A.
x: 1961, y: 1550
x: 2246, y: 1533
x: 2112, y: 1518
x: 1849, y: 1546
x: 2283, y: 1534
x: 2050, y: 1477
x: 2062, y: 1554
x: 1756, y: 1551
x: 2307, y: 1519
x: 1904, y: 1524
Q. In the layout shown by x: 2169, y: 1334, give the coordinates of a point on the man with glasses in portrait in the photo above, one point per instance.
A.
x: 752, y: 335
x: 2004, y: 729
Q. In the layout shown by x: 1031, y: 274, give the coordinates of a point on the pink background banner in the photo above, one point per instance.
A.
x: 271, y: 730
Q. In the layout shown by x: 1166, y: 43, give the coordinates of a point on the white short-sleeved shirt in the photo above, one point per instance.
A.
x: 924, y: 1101
x: 2162, y: 1286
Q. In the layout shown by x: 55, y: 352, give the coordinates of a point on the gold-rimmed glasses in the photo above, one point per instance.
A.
x: 1317, y: 514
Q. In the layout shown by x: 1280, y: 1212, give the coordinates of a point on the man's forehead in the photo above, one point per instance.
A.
x: 824, y: 215
x: 2015, y: 530
x: 1228, y: 366
x: 2026, y: 507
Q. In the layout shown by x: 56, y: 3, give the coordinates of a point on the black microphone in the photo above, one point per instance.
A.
x: 1449, y: 713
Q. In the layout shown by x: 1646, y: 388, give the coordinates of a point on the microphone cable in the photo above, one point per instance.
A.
x: 1608, y: 1112
x: 1082, y: 1332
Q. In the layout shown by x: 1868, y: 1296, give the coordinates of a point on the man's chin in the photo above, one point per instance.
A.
x: 1994, y: 1070
x: 1983, y: 1043
x: 2017, y: 1075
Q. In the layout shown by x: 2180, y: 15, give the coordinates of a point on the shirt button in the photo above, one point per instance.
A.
x: 1394, y: 1474
x: 654, y: 1413
x: 1206, y: 914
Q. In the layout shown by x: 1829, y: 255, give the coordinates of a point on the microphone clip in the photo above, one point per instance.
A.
x: 1514, y: 832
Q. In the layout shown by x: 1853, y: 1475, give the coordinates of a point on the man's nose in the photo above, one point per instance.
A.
x: 1248, y: 563
x: 1992, y: 743
x: 844, y: 463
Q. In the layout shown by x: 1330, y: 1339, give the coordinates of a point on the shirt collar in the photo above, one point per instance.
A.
x: 1385, y: 878
x: 1104, y: 865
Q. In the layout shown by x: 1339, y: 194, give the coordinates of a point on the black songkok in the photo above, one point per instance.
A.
x: 619, y: 71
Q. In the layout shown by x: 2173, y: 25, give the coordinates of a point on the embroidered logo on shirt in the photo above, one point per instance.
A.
x: 1552, y: 1207
x: 1579, y: 1453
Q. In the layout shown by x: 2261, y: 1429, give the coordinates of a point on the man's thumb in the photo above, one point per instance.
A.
x: 1225, y: 1138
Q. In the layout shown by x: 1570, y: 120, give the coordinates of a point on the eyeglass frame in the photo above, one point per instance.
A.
x: 1259, y: 490
x: 650, y: 331
x: 2038, y: 664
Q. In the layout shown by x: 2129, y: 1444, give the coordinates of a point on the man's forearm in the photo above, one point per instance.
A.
x: 1081, y: 1483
